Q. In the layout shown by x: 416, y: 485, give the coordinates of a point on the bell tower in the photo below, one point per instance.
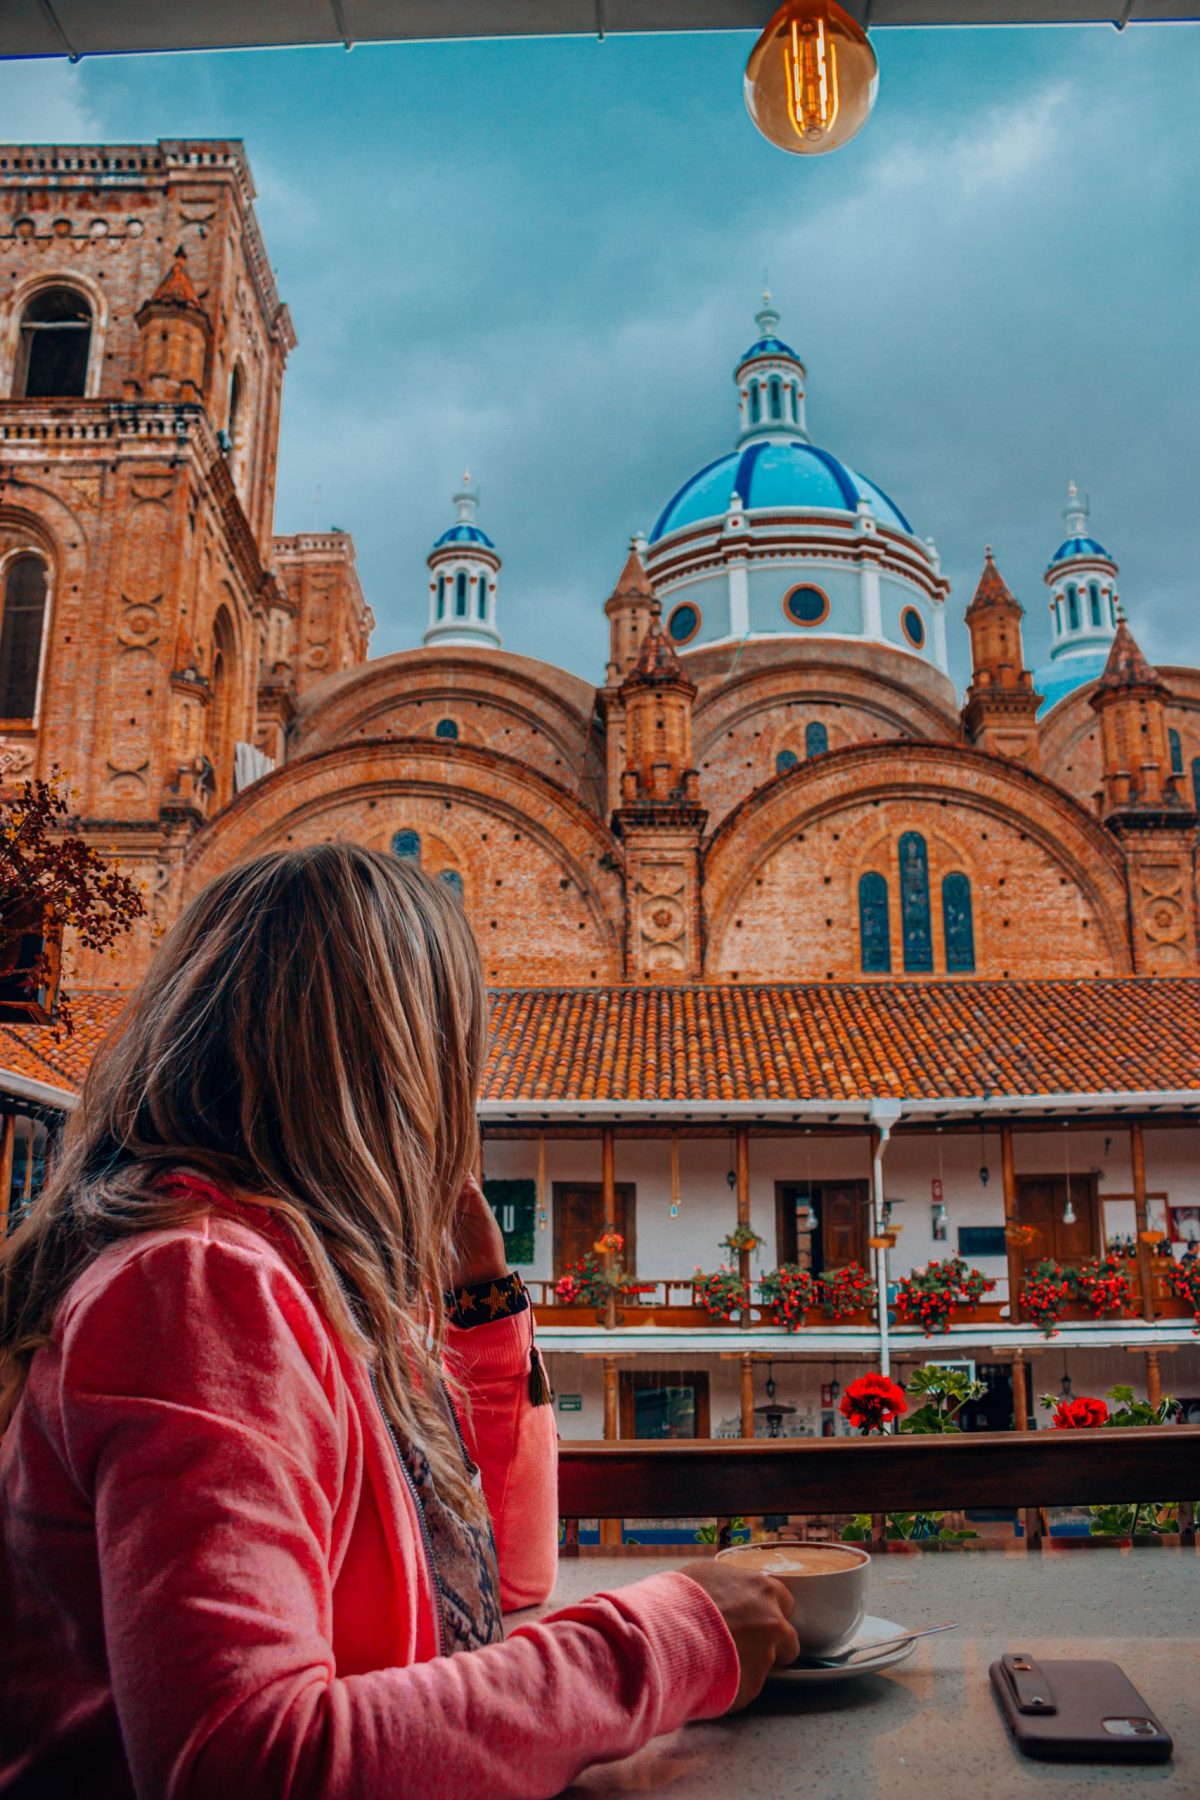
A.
x: 1001, y: 710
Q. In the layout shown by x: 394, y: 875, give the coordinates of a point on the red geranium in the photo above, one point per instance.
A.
x: 1080, y: 1414
x: 871, y: 1401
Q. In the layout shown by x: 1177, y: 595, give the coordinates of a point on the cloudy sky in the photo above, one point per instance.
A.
x: 542, y: 258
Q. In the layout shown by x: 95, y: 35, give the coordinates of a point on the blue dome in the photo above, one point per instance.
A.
x: 1078, y: 546
x: 768, y: 346
x: 465, y: 534
x: 771, y: 474
x: 1055, y: 680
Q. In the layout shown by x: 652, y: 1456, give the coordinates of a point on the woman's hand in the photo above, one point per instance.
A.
x: 756, y: 1609
x: 478, y: 1242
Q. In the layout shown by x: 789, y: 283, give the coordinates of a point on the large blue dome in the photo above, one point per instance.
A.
x: 1078, y: 546
x: 1055, y: 680
x: 770, y: 474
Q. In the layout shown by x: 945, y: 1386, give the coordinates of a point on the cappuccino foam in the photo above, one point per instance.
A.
x: 786, y: 1560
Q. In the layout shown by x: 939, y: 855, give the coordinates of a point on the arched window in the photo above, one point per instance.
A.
x: 1058, y: 624
x: 221, y: 701
x: 874, y: 928
x: 236, y: 389
x: 755, y: 403
x: 816, y: 738
x: 56, y: 336
x: 460, y: 595
x: 1073, y: 606
x: 795, y: 393
x: 441, y: 597
x: 407, y: 845
x: 958, y: 925
x: 914, y: 904
x: 446, y: 728
x: 1196, y: 782
x: 786, y: 759
x: 776, y: 393
x: 1176, y: 746
x: 483, y: 596
x: 21, y: 635
x: 452, y: 879
x: 1094, y: 602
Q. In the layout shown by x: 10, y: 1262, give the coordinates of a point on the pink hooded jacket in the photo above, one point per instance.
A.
x: 213, y: 1581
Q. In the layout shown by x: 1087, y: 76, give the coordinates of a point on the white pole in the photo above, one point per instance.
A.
x: 884, y: 1115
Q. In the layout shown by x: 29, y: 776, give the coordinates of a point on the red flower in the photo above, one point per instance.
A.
x: 1079, y: 1414
x: 870, y: 1401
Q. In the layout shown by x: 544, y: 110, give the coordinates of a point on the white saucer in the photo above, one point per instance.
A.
x: 874, y: 1631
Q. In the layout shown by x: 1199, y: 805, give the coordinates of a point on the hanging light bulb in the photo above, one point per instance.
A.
x: 1068, y: 1209
x: 812, y: 78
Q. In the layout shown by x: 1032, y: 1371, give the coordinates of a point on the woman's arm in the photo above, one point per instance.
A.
x: 202, y: 1414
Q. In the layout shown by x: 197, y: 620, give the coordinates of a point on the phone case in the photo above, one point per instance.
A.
x: 1057, y: 1710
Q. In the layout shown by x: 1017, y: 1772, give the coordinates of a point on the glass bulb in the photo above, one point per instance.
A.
x: 812, y: 77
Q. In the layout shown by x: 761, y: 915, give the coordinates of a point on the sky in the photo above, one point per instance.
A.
x: 541, y: 259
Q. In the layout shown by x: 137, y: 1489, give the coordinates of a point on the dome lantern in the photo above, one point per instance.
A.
x: 770, y: 383
x: 464, y: 567
x: 1082, y: 578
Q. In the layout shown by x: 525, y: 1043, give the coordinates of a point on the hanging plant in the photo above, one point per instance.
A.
x: 1045, y: 1296
x: 741, y: 1239
x: 1103, y: 1287
x: 1021, y: 1235
x: 929, y: 1296
x: 1182, y: 1281
x: 848, y: 1291
x: 722, y: 1294
x: 789, y: 1291
x: 609, y: 1243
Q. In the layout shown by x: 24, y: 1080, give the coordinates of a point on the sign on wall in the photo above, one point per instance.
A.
x: 513, y: 1203
x: 570, y: 1403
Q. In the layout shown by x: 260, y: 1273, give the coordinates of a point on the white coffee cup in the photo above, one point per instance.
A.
x: 827, y: 1581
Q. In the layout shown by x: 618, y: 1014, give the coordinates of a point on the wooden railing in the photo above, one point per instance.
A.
x: 1026, y: 1470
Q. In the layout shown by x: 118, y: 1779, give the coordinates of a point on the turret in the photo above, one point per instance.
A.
x: 1001, y: 708
x: 464, y: 566
x: 176, y: 335
x: 629, y: 610
x: 658, y: 699
x: 1131, y: 700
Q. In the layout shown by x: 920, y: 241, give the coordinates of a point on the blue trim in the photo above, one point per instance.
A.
x: 846, y: 487
x: 747, y: 463
x: 888, y: 501
x: 671, y: 503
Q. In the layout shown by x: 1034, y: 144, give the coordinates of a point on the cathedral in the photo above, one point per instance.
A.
x: 772, y: 787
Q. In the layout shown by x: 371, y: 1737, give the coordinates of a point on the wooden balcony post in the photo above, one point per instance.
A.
x: 7, y: 1134
x: 610, y: 1529
x: 608, y: 1183
x: 1020, y: 1375
x: 747, y: 1395
x: 743, y: 1213
x: 1011, y: 1248
x: 1137, y: 1156
x: 1153, y: 1377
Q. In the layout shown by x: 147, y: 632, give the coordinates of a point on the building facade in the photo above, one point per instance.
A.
x: 721, y: 893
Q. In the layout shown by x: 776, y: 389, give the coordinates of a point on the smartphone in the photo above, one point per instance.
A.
x: 1077, y: 1711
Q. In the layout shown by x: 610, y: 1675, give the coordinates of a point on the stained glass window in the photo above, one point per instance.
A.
x: 445, y: 728
x: 913, y: 627
x: 1094, y: 602
x: 683, y: 623
x: 460, y: 595
x: 816, y: 738
x: 874, y: 928
x: 914, y: 904
x: 1073, y: 606
x: 806, y: 605
x: 786, y: 759
x: 958, y: 925
x: 453, y: 879
x: 407, y: 844
x: 1176, y: 745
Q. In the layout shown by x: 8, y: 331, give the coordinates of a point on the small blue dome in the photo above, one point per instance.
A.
x: 768, y: 346
x: 1078, y: 546
x: 465, y: 534
x: 1055, y: 680
x: 772, y: 474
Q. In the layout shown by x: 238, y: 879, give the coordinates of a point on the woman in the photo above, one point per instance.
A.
x: 260, y: 1478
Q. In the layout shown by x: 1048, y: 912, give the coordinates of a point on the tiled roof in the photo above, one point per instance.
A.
x: 176, y: 285
x: 992, y: 589
x: 1126, y: 666
x: 813, y: 1041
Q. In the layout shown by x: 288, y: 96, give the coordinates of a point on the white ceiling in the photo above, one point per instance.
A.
x: 112, y: 27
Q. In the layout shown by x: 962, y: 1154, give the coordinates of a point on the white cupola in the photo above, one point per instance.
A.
x: 464, y: 566
x: 770, y: 383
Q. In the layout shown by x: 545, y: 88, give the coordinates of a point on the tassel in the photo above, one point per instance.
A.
x: 539, y: 1383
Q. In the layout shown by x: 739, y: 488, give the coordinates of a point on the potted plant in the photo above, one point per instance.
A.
x: 789, y: 1292
x: 1045, y: 1296
x: 1104, y: 1286
x: 1149, y: 1521
x: 723, y: 1294
x: 942, y: 1394
x: 846, y: 1292
x: 929, y: 1296
x: 1182, y: 1282
x: 741, y: 1240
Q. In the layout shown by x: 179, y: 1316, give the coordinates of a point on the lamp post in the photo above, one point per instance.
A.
x: 885, y: 1115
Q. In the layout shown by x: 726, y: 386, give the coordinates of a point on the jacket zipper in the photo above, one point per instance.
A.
x: 470, y: 1464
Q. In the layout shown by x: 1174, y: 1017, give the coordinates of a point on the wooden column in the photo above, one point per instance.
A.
x: 1011, y: 1248
x: 1020, y: 1375
x: 7, y: 1134
x: 747, y: 1395
x: 743, y: 1211
x: 610, y: 1529
x: 1137, y: 1157
x: 1153, y: 1377
x: 608, y: 1185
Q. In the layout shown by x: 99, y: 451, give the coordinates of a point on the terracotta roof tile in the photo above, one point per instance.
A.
x: 992, y: 590
x: 1126, y: 666
x: 810, y: 1041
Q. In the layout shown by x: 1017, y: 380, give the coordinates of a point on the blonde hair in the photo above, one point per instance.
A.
x: 311, y: 1035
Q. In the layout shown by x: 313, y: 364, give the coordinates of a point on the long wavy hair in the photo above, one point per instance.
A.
x: 311, y: 1037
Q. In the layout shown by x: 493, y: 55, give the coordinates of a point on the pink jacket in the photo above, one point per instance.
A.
x: 213, y: 1580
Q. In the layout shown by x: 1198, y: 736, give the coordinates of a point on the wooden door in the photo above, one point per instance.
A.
x: 1042, y: 1201
x: 664, y: 1403
x: 579, y: 1220
x: 843, y: 1224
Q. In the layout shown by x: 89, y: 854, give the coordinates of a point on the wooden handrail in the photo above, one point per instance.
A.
x: 719, y: 1478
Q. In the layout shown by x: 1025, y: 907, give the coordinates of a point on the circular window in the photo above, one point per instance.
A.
x: 913, y: 627
x: 806, y: 605
x: 683, y: 623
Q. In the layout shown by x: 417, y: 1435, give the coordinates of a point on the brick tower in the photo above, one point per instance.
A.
x: 1000, y: 714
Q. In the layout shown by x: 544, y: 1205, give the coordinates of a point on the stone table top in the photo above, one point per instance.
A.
x: 929, y: 1728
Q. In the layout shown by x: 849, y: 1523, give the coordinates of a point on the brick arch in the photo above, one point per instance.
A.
x: 509, y: 704
x: 750, y: 706
x: 540, y: 878
x: 784, y: 865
